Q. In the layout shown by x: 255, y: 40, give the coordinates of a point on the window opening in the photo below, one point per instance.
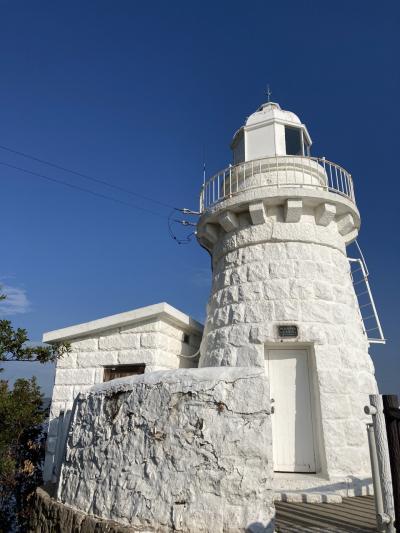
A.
x: 121, y: 371
x: 293, y: 140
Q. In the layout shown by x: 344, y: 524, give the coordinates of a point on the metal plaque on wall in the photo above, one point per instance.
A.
x: 288, y: 330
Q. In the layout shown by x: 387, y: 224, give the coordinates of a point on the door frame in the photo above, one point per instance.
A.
x: 316, y: 421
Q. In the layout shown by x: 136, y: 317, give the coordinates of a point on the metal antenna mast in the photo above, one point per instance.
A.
x: 269, y: 93
x: 204, y: 164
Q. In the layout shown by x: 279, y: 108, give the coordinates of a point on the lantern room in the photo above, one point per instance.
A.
x: 269, y: 132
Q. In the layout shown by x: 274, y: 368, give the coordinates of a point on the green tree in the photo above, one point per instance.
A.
x: 21, y: 450
x: 22, y: 418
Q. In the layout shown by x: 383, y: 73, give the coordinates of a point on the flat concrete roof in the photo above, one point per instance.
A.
x: 157, y: 311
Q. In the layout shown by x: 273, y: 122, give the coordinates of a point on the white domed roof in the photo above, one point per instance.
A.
x: 272, y: 111
x: 269, y: 132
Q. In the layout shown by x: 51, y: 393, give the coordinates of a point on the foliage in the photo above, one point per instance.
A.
x: 21, y: 450
x: 13, y: 346
x: 22, y: 418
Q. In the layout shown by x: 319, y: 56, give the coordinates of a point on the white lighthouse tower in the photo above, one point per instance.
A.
x: 277, y: 223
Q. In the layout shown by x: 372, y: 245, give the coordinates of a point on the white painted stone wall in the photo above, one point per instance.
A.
x: 155, y: 343
x: 280, y: 272
x: 183, y: 450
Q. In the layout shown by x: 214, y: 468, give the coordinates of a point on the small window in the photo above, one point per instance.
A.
x: 186, y: 338
x: 293, y: 139
x: 121, y: 371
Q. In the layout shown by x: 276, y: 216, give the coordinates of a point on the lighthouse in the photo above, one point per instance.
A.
x: 277, y: 222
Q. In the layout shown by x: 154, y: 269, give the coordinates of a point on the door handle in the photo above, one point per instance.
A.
x: 272, y: 407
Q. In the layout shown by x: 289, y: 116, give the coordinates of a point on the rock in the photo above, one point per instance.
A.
x: 50, y: 516
x: 186, y: 450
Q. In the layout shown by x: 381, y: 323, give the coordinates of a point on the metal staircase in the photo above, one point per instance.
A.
x: 368, y: 313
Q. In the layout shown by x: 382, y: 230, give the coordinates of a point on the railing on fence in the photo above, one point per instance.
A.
x: 279, y: 171
x: 366, y: 304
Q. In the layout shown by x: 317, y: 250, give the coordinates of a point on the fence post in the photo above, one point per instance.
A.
x: 392, y: 418
x: 382, y: 452
x: 375, y: 477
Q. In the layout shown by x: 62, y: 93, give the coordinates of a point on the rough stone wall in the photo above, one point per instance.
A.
x: 183, y: 450
x: 280, y: 272
x: 50, y: 516
x: 155, y: 343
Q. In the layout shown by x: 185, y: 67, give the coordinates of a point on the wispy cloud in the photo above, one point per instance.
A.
x: 201, y: 277
x: 16, y: 302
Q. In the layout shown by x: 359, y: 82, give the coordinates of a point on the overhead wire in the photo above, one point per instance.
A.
x: 101, y: 181
x: 82, y: 189
x: 186, y: 240
x: 86, y: 176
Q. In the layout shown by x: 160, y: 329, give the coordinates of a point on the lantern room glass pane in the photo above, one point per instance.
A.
x: 293, y: 141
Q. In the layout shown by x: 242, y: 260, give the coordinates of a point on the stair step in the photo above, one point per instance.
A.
x: 307, y: 497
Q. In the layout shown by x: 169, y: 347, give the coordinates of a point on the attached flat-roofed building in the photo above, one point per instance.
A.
x: 156, y: 337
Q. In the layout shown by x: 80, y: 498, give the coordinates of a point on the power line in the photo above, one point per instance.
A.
x: 85, y: 176
x: 82, y: 189
x: 185, y: 240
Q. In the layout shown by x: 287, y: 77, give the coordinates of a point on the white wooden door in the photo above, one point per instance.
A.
x: 292, y: 424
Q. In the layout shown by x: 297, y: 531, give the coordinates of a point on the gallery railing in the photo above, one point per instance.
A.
x: 279, y: 171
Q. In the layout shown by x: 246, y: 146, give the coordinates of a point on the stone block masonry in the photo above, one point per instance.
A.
x: 279, y: 272
x: 50, y: 516
x: 182, y: 450
x: 154, y: 341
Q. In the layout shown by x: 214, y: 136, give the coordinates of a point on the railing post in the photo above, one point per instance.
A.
x: 326, y: 174
x: 352, y: 188
x: 386, y: 518
x: 375, y: 476
x: 347, y: 184
x: 286, y: 167
x: 201, y: 203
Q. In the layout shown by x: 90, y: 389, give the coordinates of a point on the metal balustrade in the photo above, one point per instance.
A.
x: 368, y: 313
x: 278, y: 172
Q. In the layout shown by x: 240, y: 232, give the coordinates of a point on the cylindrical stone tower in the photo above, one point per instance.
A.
x: 277, y: 224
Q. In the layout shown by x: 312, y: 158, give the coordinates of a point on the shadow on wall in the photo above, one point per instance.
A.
x: 305, y: 420
x: 362, y: 487
x: 258, y: 527
x: 62, y: 422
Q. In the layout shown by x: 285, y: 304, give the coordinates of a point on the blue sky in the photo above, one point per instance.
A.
x: 131, y: 92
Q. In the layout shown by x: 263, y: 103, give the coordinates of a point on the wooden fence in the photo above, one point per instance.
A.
x: 391, y: 411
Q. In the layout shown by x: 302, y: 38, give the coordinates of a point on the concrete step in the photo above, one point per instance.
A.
x: 308, y: 497
x: 313, y: 484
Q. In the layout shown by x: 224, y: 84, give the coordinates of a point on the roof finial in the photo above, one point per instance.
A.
x: 268, y: 93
